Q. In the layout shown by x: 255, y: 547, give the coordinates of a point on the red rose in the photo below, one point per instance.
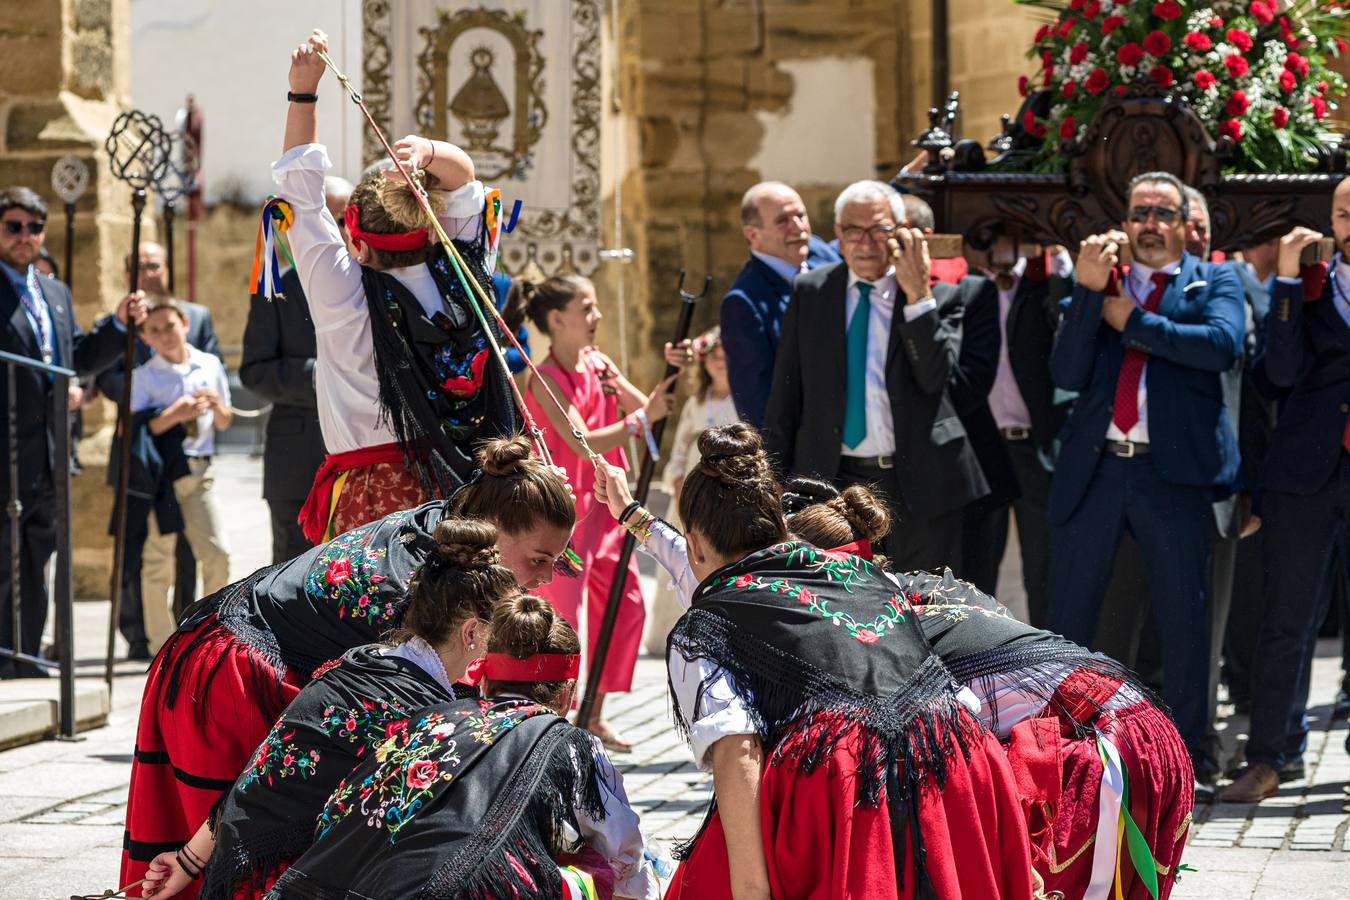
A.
x: 743, y: 581
x: 1067, y: 128
x: 866, y: 635
x: 1319, y: 107
x: 1261, y: 12
x: 1204, y: 80
x: 1340, y: 46
x: 1157, y: 43
x: 1092, y: 10
x: 1162, y: 76
x: 395, y: 727
x: 1239, y: 39
x: 1068, y: 87
x: 1233, y: 129
x: 1078, y: 53
x: 1047, y: 77
x: 421, y: 773
x: 1237, y: 104
x: 1097, y: 81
x: 339, y: 570
x: 1197, y: 41
x: 1066, y: 26
x: 1288, y: 82
x: 1279, y: 117
x: 1323, y: 87
x: 1028, y: 121
x: 1111, y: 23
x: 1119, y: 90
x: 1167, y: 9
x: 1297, y: 64
x: 1047, y: 60
x: 1130, y: 54
x: 1042, y: 33
x: 1236, y: 65
x: 805, y: 596
x: 1022, y: 85
x: 1216, y: 22
x: 1077, y: 4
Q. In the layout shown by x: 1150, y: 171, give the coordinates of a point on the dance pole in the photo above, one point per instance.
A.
x: 601, y: 649
x: 70, y: 179
x: 138, y: 152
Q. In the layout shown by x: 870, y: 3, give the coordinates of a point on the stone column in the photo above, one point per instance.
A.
x: 63, y: 76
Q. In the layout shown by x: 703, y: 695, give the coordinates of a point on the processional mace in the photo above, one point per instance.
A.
x: 138, y: 154
x: 70, y: 179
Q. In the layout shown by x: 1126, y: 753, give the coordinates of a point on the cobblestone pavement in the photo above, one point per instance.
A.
x: 62, y: 805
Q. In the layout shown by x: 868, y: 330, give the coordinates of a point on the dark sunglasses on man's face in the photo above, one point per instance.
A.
x: 34, y: 228
x: 1140, y: 214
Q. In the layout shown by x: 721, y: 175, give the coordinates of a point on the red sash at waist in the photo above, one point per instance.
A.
x: 318, y: 508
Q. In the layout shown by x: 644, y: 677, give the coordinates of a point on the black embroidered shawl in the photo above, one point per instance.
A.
x: 468, y: 802
x: 802, y: 631
x: 442, y: 390
x: 351, y: 707
x: 979, y: 639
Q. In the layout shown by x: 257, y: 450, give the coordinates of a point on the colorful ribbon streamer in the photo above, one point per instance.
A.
x: 265, y: 278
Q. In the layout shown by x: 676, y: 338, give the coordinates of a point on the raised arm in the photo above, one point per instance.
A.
x: 306, y: 73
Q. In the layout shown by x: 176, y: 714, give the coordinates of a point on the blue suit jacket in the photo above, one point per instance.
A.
x: 501, y: 283
x: 752, y: 316
x: 1195, y: 335
x: 1308, y: 350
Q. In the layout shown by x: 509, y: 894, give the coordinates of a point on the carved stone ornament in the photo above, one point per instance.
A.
x: 1129, y: 135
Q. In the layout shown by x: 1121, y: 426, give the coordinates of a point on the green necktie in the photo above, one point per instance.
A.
x: 855, y: 397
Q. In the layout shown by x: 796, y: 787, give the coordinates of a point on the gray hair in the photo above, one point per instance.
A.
x: 334, y: 186
x: 918, y: 214
x: 750, y: 201
x: 861, y: 191
x: 1195, y: 201
x: 1160, y: 178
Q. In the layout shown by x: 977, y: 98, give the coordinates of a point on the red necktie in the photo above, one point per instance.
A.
x: 1126, y: 411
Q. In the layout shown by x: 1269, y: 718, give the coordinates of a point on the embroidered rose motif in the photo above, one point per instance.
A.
x: 421, y: 773
x: 866, y: 635
x: 339, y: 570
x: 743, y: 581
x: 805, y: 596
x: 396, y: 727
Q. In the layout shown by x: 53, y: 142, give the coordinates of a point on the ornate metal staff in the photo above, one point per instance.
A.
x: 138, y: 152
x: 172, y: 186
x: 192, y: 125
x: 601, y: 649
x: 70, y: 179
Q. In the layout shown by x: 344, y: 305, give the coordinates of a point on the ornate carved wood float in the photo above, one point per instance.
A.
x: 1130, y: 135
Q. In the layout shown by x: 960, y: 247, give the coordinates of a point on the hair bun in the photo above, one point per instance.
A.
x: 867, y: 516
x: 467, y: 544
x: 402, y: 207
x: 521, y: 625
x: 800, y: 492
x: 734, y: 455
x: 504, y: 457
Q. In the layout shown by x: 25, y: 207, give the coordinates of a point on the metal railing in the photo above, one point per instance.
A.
x: 64, y: 598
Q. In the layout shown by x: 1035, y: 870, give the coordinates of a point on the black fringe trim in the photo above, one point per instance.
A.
x: 266, y: 672
x: 251, y: 862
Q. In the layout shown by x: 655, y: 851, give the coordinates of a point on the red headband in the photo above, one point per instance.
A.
x: 860, y: 548
x: 394, y: 243
x: 540, y: 667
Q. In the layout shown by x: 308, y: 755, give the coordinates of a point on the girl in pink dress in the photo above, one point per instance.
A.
x: 607, y: 409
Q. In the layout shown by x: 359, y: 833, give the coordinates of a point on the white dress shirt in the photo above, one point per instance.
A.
x: 157, y: 383
x: 1005, y: 399
x: 344, y: 371
x: 1138, y: 285
x: 880, y: 439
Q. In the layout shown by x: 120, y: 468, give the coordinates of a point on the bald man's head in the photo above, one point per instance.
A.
x: 1340, y: 217
x: 774, y: 222
x: 152, y: 270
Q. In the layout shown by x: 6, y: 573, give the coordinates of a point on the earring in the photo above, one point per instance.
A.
x: 473, y: 646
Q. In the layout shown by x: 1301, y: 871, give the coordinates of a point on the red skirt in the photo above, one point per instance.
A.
x: 820, y: 844
x: 369, y: 493
x: 1059, y: 777
x: 225, y: 699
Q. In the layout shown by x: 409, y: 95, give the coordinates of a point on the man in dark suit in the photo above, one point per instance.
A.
x: 775, y: 224
x: 1026, y: 420
x: 278, y: 365
x: 860, y: 386
x: 1306, y: 491
x: 39, y: 323
x: 1149, y: 439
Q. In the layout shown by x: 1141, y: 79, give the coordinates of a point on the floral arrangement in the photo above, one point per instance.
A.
x: 1254, y: 71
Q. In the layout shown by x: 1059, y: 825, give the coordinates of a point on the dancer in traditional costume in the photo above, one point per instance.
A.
x: 844, y: 762
x: 242, y: 654
x: 478, y: 798
x: 406, y: 378
x: 605, y: 409
x: 1104, y: 777
x: 350, y: 707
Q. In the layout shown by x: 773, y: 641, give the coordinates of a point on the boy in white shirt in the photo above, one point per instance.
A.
x: 188, y: 388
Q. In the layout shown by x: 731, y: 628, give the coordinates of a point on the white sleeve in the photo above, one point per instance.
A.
x: 330, y: 277
x: 721, y: 713
x: 141, y: 398
x: 667, y: 546
x: 618, y: 838
x: 677, y: 465
x: 463, y: 219
x: 222, y: 381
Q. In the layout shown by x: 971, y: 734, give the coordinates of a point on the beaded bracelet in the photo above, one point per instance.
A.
x: 641, y: 527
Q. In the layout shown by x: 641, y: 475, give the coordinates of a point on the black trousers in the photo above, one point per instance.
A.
x: 930, y: 543
x: 985, y: 534
x: 288, y: 539
x: 37, y: 543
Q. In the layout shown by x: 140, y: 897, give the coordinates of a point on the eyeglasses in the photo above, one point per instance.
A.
x: 876, y: 234
x: 34, y: 228
x: 1141, y: 214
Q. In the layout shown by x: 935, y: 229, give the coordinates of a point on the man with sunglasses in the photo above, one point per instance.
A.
x: 39, y: 322
x: 1149, y: 439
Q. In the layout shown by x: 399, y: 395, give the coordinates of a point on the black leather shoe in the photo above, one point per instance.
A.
x: 1341, y: 705
x: 139, y: 650
x: 1292, y: 770
x: 1204, y: 793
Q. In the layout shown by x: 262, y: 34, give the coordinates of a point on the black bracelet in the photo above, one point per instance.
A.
x: 187, y: 870
x: 628, y: 511
x: 293, y: 97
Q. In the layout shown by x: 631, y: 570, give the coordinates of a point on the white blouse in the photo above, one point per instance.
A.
x: 344, y: 373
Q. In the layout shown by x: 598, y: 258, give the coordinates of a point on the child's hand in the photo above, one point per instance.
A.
x: 681, y: 354
x: 306, y: 66
x: 208, y: 398
x: 611, y: 488
x: 164, y: 877
x: 413, y: 152
x: 661, y: 401
x: 184, y: 409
